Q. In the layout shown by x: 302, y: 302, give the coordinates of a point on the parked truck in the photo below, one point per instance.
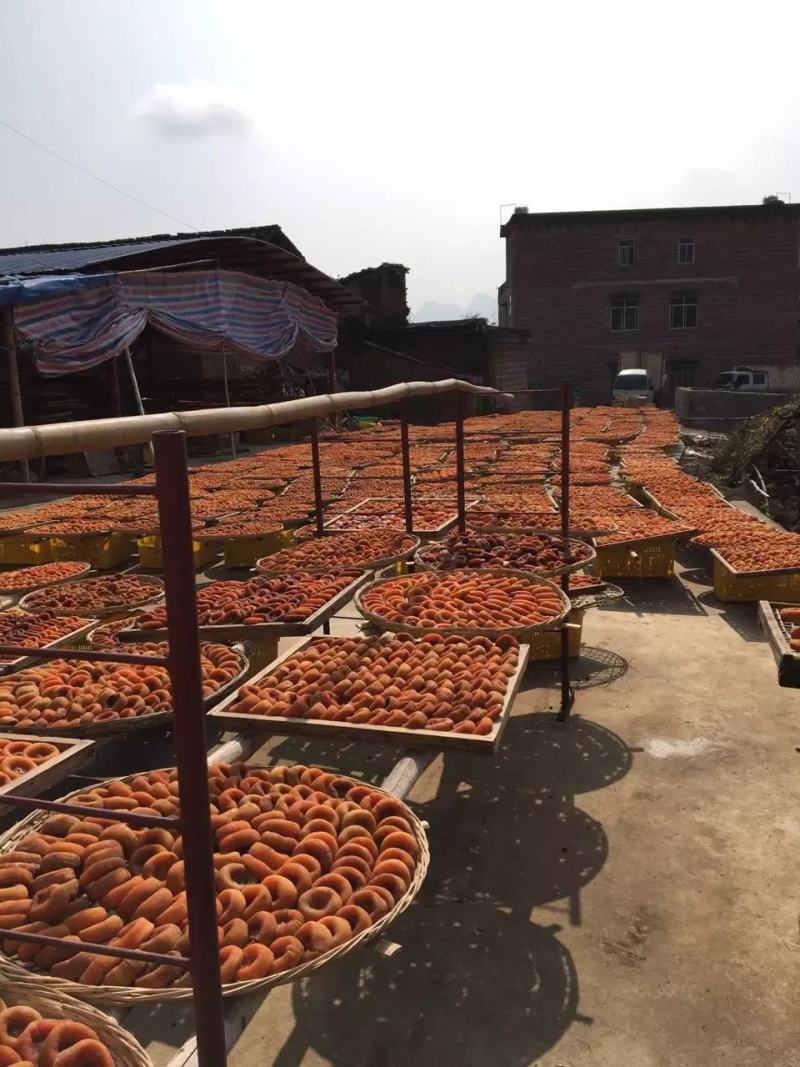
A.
x: 760, y: 379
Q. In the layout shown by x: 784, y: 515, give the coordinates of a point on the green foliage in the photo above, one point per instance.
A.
x: 771, y: 440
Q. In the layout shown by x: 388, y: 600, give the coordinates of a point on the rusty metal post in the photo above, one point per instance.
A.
x: 406, y: 452
x: 14, y: 390
x: 317, y: 473
x: 460, y: 491
x: 174, y: 511
x: 567, y: 695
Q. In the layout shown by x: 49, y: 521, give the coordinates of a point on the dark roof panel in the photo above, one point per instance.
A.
x: 534, y: 218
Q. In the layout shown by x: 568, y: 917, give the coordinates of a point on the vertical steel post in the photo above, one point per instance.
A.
x: 567, y: 695
x: 317, y: 473
x: 174, y: 511
x: 406, y: 451
x: 14, y: 391
x: 460, y: 493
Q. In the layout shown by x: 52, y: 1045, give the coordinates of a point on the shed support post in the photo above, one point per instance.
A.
x: 15, y: 393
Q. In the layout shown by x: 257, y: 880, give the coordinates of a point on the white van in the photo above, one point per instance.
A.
x: 633, y: 388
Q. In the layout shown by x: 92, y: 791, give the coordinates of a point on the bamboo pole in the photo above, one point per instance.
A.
x: 62, y: 438
x: 14, y: 390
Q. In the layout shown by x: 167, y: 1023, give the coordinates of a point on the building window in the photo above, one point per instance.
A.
x: 759, y: 377
x: 683, y: 313
x: 625, y: 253
x: 625, y: 313
x: 686, y: 250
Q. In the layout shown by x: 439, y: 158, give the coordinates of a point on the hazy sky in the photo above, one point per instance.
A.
x: 376, y: 131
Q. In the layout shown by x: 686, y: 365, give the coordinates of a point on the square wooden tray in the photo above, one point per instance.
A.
x: 346, y: 730
x: 778, y: 636
x: 265, y: 629
x: 74, y: 752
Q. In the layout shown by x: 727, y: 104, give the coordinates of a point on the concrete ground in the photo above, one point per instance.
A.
x: 619, y: 892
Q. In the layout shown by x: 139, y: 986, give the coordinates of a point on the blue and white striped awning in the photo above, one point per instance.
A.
x: 83, y: 325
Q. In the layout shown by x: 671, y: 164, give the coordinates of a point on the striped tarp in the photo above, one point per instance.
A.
x: 202, y: 310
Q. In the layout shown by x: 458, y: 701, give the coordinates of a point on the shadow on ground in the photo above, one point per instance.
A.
x: 443, y: 1001
x: 594, y: 666
x: 657, y: 596
x: 505, y: 836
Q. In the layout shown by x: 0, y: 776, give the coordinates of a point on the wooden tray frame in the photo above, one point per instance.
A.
x: 778, y: 636
x: 74, y: 753
x: 12, y: 666
x: 755, y: 575
x: 16, y: 593
x: 267, y: 629
x: 428, y: 531
x: 373, y: 565
x: 101, y: 613
x: 363, y: 731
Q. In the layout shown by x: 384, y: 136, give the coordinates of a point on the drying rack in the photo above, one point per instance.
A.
x: 218, y: 1024
x: 171, y: 489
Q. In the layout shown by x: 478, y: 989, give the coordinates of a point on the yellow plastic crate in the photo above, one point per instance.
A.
x: 244, y: 551
x: 653, y: 560
x: 546, y: 644
x: 783, y: 588
x: 25, y: 549
x: 103, y: 551
x: 203, y: 552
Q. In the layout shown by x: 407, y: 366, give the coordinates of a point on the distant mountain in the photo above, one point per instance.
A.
x: 484, y: 305
x: 433, y: 311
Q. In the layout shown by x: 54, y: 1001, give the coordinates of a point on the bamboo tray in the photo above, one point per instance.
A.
x: 44, y: 585
x: 522, y: 633
x: 265, y: 629
x: 111, y: 609
x: 19, y: 988
x: 778, y: 636
x: 444, y: 741
x: 11, y: 666
x: 131, y: 996
x: 137, y: 722
x: 420, y: 559
x: 73, y: 754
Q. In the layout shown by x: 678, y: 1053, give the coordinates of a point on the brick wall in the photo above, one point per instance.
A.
x: 562, y: 273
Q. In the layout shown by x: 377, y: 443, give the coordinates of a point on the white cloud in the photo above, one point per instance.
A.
x: 193, y: 109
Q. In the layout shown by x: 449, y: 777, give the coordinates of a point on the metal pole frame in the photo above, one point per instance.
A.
x: 319, y: 513
x: 406, y: 453
x: 460, y: 493
x: 174, y: 508
x: 567, y: 693
x: 14, y: 390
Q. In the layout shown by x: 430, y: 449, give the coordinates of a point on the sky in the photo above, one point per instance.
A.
x: 376, y: 131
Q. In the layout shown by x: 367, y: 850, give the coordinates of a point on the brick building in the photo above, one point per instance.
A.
x: 379, y: 347
x: 705, y: 288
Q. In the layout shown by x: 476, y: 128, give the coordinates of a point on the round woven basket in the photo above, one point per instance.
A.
x: 46, y: 585
x: 138, y: 722
x: 111, y: 609
x: 467, y: 631
x: 124, y: 1048
x: 423, y: 557
x: 263, y: 567
x: 130, y: 996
